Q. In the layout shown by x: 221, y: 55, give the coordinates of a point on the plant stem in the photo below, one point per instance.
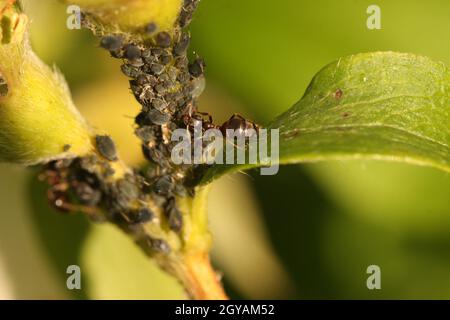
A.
x: 199, y: 278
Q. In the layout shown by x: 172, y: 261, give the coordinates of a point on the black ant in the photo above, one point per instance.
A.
x: 193, y: 117
x: 240, y: 124
x: 58, y: 193
x: 236, y: 122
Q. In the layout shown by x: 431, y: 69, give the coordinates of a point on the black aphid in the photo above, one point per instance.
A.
x: 172, y: 73
x: 142, y: 216
x: 141, y: 80
x: 136, y: 89
x: 163, y: 39
x: 106, y: 147
x: 151, y: 28
x: 111, y: 43
x: 126, y: 192
x: 159, y: 104
x: 183, y: 77
x: 164, y: 185
x: 181, y: 46
x: 180, y: 190
x: 156, y: 156
x: 132, y: 52
x: 156, y: 52
x: 181, y: 62
x: 148, y: 56
x: 146, y: 133
x: 128, y: 189
x: 164, y: 77
x: 159, y: 245
x: 173, y: 96
x: 165, y: 58
x: 148, y: 94
x: 142, y: 119
x: 87, y: 194
x: 197, y: 68
x: 130, y: 71
x: 162, y: 88
x: 174, y: 216
x: 187, y: 12
x: 157, y: 117
x: 156, y: 68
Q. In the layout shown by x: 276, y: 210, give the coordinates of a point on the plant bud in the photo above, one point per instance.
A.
x: 38, y: 121
x: 145, y: 16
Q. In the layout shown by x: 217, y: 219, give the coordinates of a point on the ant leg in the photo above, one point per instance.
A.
x: 256, y: 127
x: 190, y: 110
x: 238, y: 147
x: 91, y: 212
x: 62, y: 204
x: 124, y: 216
x: 210, y: 118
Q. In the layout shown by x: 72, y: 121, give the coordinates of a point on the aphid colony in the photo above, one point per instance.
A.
x: 85, y: 185
x: 167, y: 86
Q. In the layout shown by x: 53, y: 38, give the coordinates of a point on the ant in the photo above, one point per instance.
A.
x: 58, y: 193
x: 193, y: 117
x: 236, y: 122
x: 240, y: 124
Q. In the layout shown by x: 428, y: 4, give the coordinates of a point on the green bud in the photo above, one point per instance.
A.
x: 38, y: 120
x: 132, y: 15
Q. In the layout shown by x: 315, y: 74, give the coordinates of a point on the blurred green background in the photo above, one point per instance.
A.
x: 309, y: 232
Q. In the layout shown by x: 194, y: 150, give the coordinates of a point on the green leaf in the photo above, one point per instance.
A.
x: 382, y: 105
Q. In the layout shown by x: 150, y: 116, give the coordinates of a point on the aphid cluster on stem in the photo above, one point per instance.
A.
x: 84, y: 185
x: 72, y: 190
x: 167, y: 85
x: 187, y: 11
